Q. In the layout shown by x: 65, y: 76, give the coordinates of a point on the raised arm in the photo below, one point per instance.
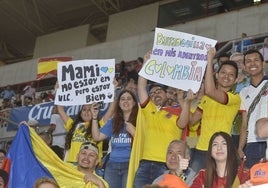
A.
x: 180, y: 94
x: 142, y: 83
x: 64, y: 116
x: 186, y: 115
x: 210, y: 85
x: 110, y: 111
x: 96, y: 134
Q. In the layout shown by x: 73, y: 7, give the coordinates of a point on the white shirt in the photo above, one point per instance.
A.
x: 58, y: 140
x: 247, y: 95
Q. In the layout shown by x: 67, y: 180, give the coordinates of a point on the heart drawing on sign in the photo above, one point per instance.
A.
x: 104, y: 69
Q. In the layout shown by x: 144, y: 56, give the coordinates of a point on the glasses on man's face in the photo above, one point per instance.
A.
x: 155, y: 92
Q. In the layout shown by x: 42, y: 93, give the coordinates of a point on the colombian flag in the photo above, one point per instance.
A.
x: 29, y: 158
x: 136, y: 151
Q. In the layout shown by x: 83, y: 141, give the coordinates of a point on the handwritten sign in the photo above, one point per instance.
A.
x: 178, y: 59
x: 85, y: 82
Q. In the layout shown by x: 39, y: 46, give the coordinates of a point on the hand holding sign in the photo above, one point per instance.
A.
x: 211, y: 54
x: 95, y: 108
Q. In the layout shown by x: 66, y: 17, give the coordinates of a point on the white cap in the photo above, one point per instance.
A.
x: 90, y: 146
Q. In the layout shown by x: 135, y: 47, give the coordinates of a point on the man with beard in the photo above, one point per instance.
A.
x: 156, y: 127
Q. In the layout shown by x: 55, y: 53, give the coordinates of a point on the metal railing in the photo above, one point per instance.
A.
x: 231, y: 46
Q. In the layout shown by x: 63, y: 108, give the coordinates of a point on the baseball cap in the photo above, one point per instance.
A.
x: 259, y: 173
x: 172, y: 181
x: 91, y: 146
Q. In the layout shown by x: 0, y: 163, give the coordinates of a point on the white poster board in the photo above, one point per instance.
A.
x: 85, y: 82
x: 178, y: 59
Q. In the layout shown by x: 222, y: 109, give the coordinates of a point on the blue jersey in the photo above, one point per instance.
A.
x: 121, y: 143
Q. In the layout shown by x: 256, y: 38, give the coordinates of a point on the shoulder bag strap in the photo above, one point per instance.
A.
x: 256, y: 100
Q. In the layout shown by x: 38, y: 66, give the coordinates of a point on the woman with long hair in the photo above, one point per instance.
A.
x: 120, y: 130
x: 78, y: 131
x: 223, y: 168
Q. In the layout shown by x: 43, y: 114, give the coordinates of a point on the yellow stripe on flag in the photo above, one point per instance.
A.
x: 48, y: 66
x: 137, y: 149
x: 66, y: 176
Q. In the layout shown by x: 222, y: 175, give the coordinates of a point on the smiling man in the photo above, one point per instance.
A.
x: 160, y: 127
x: 87, y: 160
x: 253, y: 107
x: 177, y: 161
x: 217, y: 109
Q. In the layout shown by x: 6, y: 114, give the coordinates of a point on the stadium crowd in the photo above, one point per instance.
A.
x: 224, y: 123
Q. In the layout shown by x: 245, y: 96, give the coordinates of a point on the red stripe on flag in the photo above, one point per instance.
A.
x: 45, y: 59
